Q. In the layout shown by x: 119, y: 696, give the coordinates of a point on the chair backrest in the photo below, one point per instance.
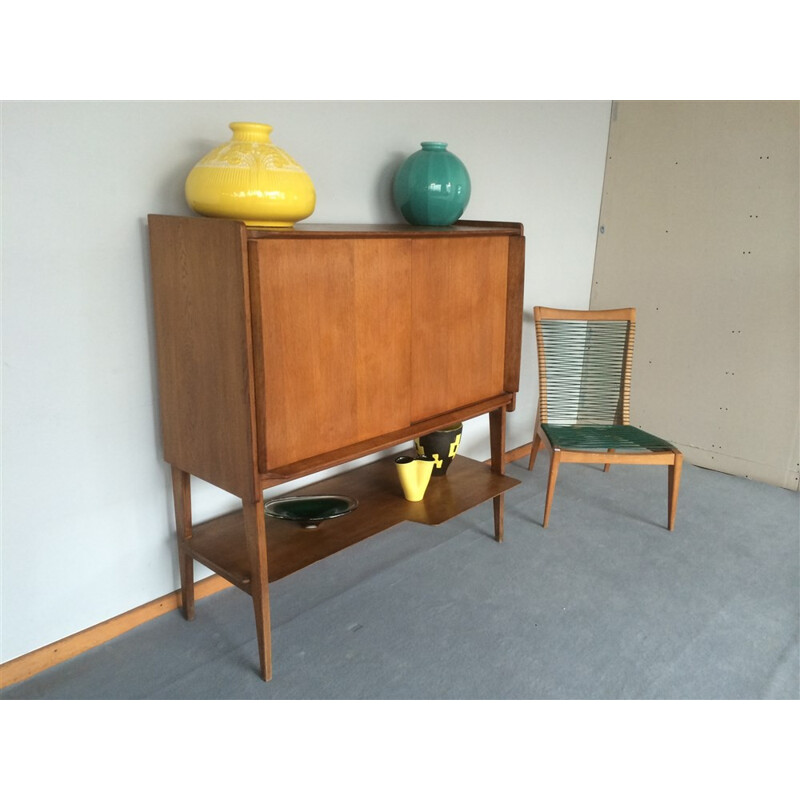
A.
x: 585, y: 360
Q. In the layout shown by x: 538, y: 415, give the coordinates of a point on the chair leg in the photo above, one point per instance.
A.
x: 555, y: 461
x: 674, y: 488
x: 607, y: 467
x: 537, y: 440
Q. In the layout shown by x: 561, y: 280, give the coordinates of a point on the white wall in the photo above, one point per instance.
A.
x: 87, y: 528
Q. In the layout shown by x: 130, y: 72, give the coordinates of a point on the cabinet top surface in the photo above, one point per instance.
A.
x: 318, y: 230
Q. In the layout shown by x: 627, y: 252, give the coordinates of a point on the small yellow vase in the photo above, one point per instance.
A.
x: 250, y: 179
x: 414, y: 475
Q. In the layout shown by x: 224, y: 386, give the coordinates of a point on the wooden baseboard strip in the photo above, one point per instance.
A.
x: 28, y: 665
x: 518, y: 452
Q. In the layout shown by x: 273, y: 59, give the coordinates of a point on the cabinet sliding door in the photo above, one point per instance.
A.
x: 331, y: 330
x: 458, y: 292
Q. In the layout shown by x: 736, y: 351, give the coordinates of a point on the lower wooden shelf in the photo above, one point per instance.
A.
x: 219, y: 543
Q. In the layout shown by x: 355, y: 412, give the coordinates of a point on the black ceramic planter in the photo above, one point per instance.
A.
x: 442, y: 446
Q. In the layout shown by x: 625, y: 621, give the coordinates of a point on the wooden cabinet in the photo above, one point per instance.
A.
x: 282, y: 352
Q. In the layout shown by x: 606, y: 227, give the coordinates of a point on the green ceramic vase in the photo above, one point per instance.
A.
x: 432, y: 187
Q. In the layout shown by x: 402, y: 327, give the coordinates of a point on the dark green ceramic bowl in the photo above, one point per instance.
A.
x: 310, y: 510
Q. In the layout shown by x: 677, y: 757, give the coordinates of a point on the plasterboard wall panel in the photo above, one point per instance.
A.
x: 699, y: 230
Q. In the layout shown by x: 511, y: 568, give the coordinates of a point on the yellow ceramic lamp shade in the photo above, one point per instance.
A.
x: 250, y: 179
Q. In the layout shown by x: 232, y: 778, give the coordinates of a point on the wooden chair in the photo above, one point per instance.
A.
x: 585, y: 360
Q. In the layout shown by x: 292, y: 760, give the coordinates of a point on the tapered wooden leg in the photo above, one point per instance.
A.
x: 256, y: 535
x: 674, y: 488
x: 607, y: 467
x: 537, y: 441
x: 497, y: 443
x: 499, y: 504
x: 182, y: 499
x: 555, y: 461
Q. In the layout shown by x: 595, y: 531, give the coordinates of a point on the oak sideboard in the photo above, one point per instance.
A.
x: 283, y: 352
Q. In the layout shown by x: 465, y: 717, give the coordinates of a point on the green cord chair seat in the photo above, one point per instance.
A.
x: 585, y: 363
x: 604, y: 437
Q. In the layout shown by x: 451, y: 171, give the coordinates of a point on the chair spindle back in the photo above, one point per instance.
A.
x: 585, y: 361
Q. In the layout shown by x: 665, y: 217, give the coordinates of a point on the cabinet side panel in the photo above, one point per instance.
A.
x: 201, y: 305
x: 515, y: 300
x: 459, y: 296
